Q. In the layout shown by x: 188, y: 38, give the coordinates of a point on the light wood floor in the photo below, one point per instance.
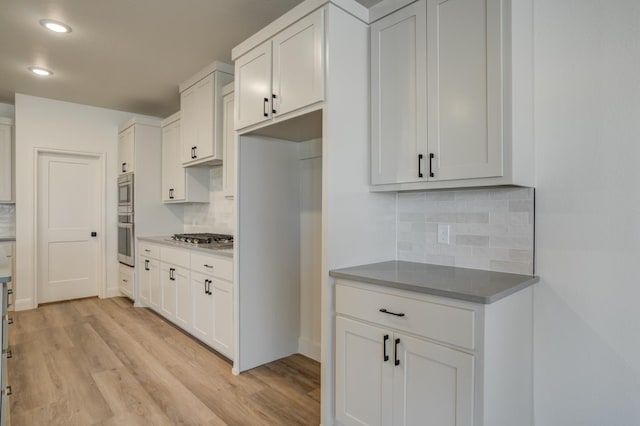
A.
x: 103, y: 362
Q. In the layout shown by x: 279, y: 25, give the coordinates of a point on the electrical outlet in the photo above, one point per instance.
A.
x: 443, y: 233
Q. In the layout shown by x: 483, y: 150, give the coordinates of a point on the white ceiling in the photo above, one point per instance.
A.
x: 128, y: 55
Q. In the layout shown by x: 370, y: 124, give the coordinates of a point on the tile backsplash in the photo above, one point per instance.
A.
x: 490, y: 229
x: 218, y: 216
x: 7, y: 220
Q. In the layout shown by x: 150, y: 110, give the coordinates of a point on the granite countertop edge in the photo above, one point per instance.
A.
x: 227, y: 252
x: 526, y: 281
x: 7, y: 239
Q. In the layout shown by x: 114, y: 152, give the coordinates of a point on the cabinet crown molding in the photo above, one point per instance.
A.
x: 171, y: 119
x: 153, y: 122
x: 212, y: 67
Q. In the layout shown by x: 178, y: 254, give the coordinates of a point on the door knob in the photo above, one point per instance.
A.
x: 94, y: 234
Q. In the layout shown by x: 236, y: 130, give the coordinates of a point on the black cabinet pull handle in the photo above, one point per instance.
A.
x: 208, y: 266
x: 171, y: 193
x: 395, y: 352
x: 264, y: 107
x: 384, y: 311
x: 385, y: 357
x: 9, y: 321
x: 8, y: 391
x: 273, y: 107
x: 431, y: 155
x: 146, y: 265
x: 9, y: 354
x: 195, y: 152
x: 124, y: 167
x: 171, y: 276
x: 419, y: 165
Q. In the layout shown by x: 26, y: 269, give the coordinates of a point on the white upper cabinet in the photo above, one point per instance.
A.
x: 180, y: 184
x: 440, y: 95
x: 6, y: 159
x: 283, y: 74
x: 253, y: 86
x: 126, y: 150
x: 399, y: 95
x: 201, y: 115
x: 230, y: 143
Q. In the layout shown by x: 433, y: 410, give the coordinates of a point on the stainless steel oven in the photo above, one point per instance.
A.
x: 126, y: 239
x: 125, y: 194
x: 126, y: 235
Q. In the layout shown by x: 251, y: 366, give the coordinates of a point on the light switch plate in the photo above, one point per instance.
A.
x: 443, y: 233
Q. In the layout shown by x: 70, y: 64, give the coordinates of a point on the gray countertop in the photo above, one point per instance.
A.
x: 5, y: 239
x: 5, y: 268
x: 472, y: 285
x: 166, y: 240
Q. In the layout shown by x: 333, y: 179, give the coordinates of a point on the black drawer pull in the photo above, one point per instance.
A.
x: 431, y: 155
x: 395, y: 352
x: 9, y: 321
x: 384, y: 311
x: 9, y: 354
x: 8, y: 391
x: 264, y: 107
x: 420, y: 165
x: 385, y: 357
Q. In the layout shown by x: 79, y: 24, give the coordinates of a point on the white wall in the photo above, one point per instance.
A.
x: 587, y: 136
x: 46, y: 123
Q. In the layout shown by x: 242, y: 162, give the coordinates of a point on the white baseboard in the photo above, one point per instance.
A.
x: 308, y: 348
x: 113, y: 292
x: 24, y: 304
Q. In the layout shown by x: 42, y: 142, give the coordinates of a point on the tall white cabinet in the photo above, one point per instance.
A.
x: 6, y: 160
x: 441, y: 96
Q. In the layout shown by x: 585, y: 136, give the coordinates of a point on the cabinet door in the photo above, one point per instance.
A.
x: 183, y: 298
x: 464, y: 41
x: 6, y: 163
x: 173, y: 174
x: 126, y: 153
x: 155, y: 285
x: 229, y: 139
x: 363, y: 374
x: 188, y: 123
x: 432, y: 384
x: 202, y: 304
x: 205, y: 101
x: 222, y: 317
x: 253, y: 87
x: 168, y: 282
x: 298, y: 64
x: 126, y: 280
x: 399, y: 96
x: 144, y: 280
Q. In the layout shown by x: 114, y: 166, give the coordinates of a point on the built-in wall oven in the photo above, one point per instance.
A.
x: 126, y: 235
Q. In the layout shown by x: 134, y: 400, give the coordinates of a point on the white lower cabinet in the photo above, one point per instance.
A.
x: 389, y: 378
x: 192, y: 289
x: 393, y: 368
x: 202, y: 304
x: 126, y: 280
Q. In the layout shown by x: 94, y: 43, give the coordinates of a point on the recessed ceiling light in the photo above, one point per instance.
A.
x: 55, y: 26
x: 40, y: 71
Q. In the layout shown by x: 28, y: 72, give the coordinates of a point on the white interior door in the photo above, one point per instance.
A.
x: 68, y: 208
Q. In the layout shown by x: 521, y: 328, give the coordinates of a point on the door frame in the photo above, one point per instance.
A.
x: 102, y: 253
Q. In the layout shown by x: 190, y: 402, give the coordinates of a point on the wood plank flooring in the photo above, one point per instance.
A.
x: 104, y: 362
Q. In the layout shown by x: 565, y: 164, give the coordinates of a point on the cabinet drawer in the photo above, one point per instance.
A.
x: 212, y: 265
x: 444, y: 323
x: 175, y: 257
x: 149, y: 250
